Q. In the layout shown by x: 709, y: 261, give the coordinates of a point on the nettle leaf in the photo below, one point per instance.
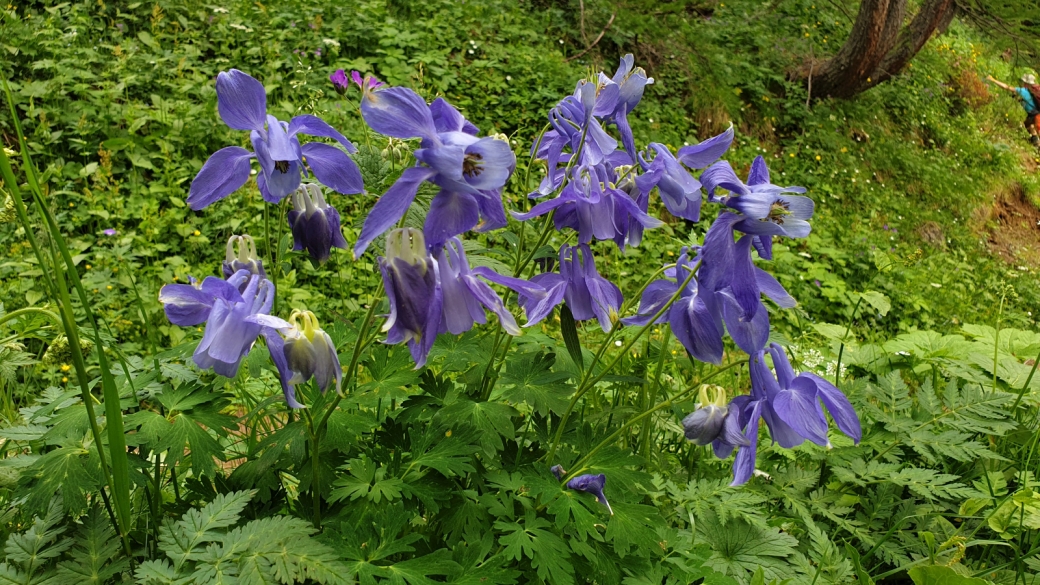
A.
x: 529, y: 378
x: 546, y: 551
x: 366, y: 480
x: 740, y: 548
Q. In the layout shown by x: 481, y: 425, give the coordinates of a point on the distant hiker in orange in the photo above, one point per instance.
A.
x: 1029, y: 96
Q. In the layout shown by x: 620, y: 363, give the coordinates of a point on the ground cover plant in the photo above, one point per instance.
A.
x: 467, y: 293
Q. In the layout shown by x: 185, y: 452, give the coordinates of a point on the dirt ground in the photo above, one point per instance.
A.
x: 1012, y: 227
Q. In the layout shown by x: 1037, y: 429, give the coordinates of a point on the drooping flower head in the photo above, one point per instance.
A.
x: 790, y: 408
x: 306, y: 352
x: 315, y: 224
x: 240, y: 254
x: 592, y: 484
x: 465, y: 296
x: 587, y: 294
x: 469, y: 170
x: 242, y: 103
x: 229, y: 332
x: 411, y: 278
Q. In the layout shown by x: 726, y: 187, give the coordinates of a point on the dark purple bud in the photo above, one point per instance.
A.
x: 315, y: 224
x: 558, y: 471
x: 592, y: 484
x: 705, y: 424
x: 340, y: 81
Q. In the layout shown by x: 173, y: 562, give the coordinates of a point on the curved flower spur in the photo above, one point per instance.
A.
x: 242, y: 103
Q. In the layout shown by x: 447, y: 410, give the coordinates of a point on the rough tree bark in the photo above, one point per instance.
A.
x: 879, y: 46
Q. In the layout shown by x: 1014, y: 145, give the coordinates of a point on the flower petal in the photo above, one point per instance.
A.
x: 759, y: 173
x: 448, y: 119
x: 315, y: 126
x: 451, y: 213
x: 773, y: 289
x: 839, y: 406
x: 744, y: 463
x: 391, y: 206
x: 494, y: 162
x: 751, y: 334
x: 798, y: 407
x: 276, y: 347
x: 223, y: 173
x: 398, y: 112
x: 241, y: 100
x: 698, y: 156
x: 333, y: 168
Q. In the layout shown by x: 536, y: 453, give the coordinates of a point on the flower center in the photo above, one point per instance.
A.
x: 282, y: 165
x: 472, y: 165
x: 778, y: 211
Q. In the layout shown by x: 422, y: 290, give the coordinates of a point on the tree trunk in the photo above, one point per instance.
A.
x: 843, y: 74
x: 934, y: 15
x: 879, y: 47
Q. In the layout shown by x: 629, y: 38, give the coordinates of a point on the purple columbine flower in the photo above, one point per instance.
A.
x: 587, y: 294
x: 229, y: 333
x: 339, y: 81
x: 465, y: 296
x: 592, y: 484
x: 768, y: 210
x: 315, y: 224
x: 798, y: 402
x: 680, y: 192
x: 619, y: 95
x: 695, y: 317
x: 244, y: 258
x: 793, y: 414
x: 110, y: 232
x: 598, y: 204
x: 412, y: 282
x: 242, y: 103
x: 306, y: 352
x: 714, y: 422
x: 469, y: 170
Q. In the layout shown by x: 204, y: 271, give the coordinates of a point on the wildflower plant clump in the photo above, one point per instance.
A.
x: 454, y: 401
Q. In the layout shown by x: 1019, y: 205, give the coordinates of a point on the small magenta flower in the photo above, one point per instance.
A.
x: 315, y: 224
x: 339, y: 81
x: 229, y: 332
x: 411, y: 279
x: 242, y: 103
x: 592, y: 484
x: 244, y: 258
x: 110, y: 232
x: 306, y: 352
x: 587, y: 294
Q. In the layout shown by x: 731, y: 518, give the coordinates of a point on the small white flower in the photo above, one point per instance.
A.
x: 470, y: 51
x: 331, y: 42
x: 509, y: 78
x: 936, y: 285
x: 561, y: 41
x: 618, y: 343
x: 220, y: 10
x: 651, y: 120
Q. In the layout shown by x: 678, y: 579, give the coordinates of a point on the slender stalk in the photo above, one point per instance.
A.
x: 355, y: 356
x: 996, y: 340
x: 315, y: 472
x: 841, y: 349
x: 644, y: 436
x: 589, y: 382
x: 579, y: 466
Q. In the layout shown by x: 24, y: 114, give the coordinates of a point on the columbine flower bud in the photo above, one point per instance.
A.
x: 315, y: 224
x: 307, y: 352
x: 244, y: 259
x: 411, y: 278
x: 592, y: 484
x: 706, y: 423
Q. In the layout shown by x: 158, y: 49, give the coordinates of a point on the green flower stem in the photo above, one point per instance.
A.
x: 644, y: 435
x: 355, y: 356
x: 590, y: 380
x: 841, y: 349
x: 579, y: 466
